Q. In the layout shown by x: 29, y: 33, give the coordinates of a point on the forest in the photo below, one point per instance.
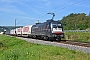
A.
x: 73, y: 21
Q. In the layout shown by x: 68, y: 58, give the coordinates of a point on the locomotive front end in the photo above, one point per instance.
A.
x: 57, y: 30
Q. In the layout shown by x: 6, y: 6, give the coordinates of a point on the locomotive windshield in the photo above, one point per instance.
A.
x: 56, y: 25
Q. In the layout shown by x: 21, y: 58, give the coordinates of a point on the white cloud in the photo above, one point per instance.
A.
x: 7, y: 6
x: 8, y: 1
x: 47, y: 3
x: 36, y: 11
x: 11, y: 9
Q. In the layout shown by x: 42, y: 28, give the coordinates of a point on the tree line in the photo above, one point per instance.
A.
x: 73, y: 21
x: 2, y: 28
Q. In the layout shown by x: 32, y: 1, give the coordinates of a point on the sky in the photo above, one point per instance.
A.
x: 28, y: 12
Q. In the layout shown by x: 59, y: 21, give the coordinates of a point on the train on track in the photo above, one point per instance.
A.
x: 49, y: 30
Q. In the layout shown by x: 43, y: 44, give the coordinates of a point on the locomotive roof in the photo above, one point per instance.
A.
x: 47, y: 21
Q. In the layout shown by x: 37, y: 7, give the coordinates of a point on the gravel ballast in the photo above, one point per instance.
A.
x: 71, y: 47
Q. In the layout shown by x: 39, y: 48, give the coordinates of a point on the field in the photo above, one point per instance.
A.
x: 78, y: 36
x: 12, y: 48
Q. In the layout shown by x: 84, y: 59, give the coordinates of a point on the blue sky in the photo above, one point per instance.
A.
x: 27, y: 12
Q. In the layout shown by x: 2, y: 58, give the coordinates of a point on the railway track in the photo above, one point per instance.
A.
x: 72, y: 45
x: 83, y: 44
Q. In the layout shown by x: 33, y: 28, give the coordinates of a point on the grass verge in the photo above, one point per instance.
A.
x: 12, y: 48
x: 78, y: 36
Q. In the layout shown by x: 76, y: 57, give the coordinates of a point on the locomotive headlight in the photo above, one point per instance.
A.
x: 54, y: 28
x: 59, y: 28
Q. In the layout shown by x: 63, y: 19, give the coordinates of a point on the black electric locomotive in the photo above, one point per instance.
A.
x: 47, y: 30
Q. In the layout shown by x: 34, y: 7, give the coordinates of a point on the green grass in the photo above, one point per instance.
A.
x: 78, y: 36
x: 12, y: 48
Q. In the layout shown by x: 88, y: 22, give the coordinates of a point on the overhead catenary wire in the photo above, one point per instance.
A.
x: 19, y: 22
x: 58, y: 9
x: 69, y: 5
x: 63, y: 7
x: 60, y: 5
x: 30, y: 22
x: 52, y: 12
x: 84, y: 9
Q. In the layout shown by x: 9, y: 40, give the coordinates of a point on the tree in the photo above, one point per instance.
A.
x: 76, y: 21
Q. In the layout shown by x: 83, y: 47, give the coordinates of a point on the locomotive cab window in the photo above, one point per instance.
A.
x: 57, y: 25
x: 54, y: 26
